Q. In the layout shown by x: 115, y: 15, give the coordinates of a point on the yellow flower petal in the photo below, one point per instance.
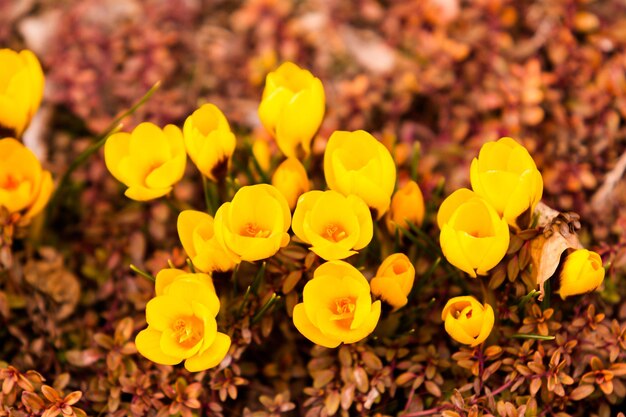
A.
x: 452, y: 250
x: 163, y: 311
x: 43, y: 195
x: 195, y: 290
x: 165, y: 277
x: 212, y: 356
x: 451, y: 203
x: 148, y: 343
x: 310, y: 331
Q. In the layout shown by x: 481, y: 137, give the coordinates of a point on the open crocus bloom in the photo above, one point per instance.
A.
x: 337, y: 306
x: 181, y: 323
x: 254, y: 224
x: 334, y: 225
x: 149, y: 161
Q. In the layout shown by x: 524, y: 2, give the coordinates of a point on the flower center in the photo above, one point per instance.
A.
x: 343, y: 309
x: 458, y: 308
x: 10, y: 183
x: 253, y: 230
x: 188, y: 331
x: 334, y: 233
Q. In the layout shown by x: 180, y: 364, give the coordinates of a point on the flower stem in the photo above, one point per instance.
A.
x: 144, y: 274
x: 208, y: 195
x: 258, y: 316
x: 532, y: 336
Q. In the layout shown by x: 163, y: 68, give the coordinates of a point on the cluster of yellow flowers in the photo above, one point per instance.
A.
x: 337, y: 305
x: 476, y: 226
x: 25, y: 187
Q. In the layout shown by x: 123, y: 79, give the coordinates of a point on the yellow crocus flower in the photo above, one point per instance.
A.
x: 582, y: 272
x: 254, y: 224
x: 196, y: 233
x: 506, y: 175
x: 394, y: 280
x: 336, y: 226
x: 291, y: 179
x: 149, y: 161
x: 356, y: 163
x: 337, y: 306
x: 467, y: 321
x: 292, y: 107
x: 21, y: 90
x: 209, y: 141
x: 25, y: 187
x: 181, y: 323
x: 473, y: 236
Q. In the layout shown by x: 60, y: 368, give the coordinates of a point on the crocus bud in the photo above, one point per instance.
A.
x: 394, y: 280
x: 292, y: 107
x: 467, y: 321
x: 291, y: 180
x: 407, y: 206
x: 356, y: 163
x: 473, y: 236
x: 25, y: 188
x: 582, y: 272
x: 21, y: 90
x: 506, y: 175
x: 209, y: 142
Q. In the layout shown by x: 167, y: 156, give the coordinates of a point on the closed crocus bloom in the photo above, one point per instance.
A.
x: 292, y: 107
x: 506, y: 175
x: 168, y: 276
x: 262, y: 153
x: 407, y: 206
x: 356, y: 163
x: 195, y: 230
x: 181, y: 323
x: 334, y: 225
x: 25, y: 188
x: 209, y: 141
x: 149, y: 161
x: 254, y: 224
x: 291, y: 180
x: 582, y: 272
x: 337, y: 306
x: 473, y: 236
x: 394, y: 280
x: 21, y: 90
x: 467, y: 320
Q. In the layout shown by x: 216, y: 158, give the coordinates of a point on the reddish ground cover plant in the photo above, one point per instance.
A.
x: 436, y: 299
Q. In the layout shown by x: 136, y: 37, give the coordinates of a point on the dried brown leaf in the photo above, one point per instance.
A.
x: 546, y: 254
